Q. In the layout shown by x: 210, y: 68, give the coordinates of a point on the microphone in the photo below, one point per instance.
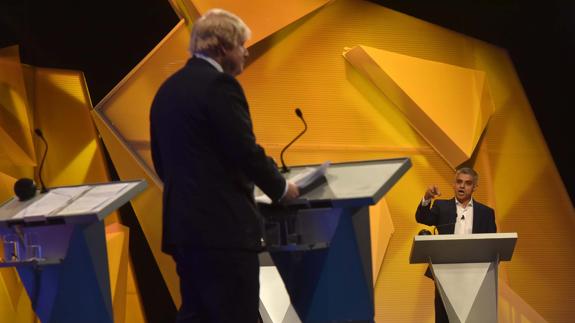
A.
x: 38, y: 133
x: 25, y: 189
x: 298, y: 112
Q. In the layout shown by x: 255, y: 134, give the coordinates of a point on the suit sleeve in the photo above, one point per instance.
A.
x: 229, y: 114
x: 427, y: 214
x: 156, y: 156
x: 492, y: 225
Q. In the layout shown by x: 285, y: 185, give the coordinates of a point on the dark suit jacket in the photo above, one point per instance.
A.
x: 443, y: 215
x: 205, y: 152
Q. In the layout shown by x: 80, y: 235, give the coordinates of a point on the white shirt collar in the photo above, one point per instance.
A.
x: 469, y: 204
x: 210, y: 60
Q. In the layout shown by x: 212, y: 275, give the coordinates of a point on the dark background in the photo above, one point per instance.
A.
x: 106, y: 39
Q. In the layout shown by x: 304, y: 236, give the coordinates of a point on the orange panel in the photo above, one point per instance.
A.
x: 264, y: 17
x: 449, y: 105
x: 117, y: 241
x: 147, y: 205
x: 381, y: 226
x: 15, y: 119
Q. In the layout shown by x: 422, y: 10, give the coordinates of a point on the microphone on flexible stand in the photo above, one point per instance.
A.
x: 25, y: 188
x: 39, y: 133
x: 298, y: 112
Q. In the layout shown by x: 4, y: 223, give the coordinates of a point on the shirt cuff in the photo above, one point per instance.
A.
x: 285, y: 191
x: 425, y: 202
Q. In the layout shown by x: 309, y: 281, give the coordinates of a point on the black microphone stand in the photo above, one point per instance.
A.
x: 43, y: 188
x: 298, y: 112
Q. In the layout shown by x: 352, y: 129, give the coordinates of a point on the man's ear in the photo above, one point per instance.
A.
x: 221, y: 50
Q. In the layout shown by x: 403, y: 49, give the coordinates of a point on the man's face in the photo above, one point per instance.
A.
x: 234, y: 60
x: 463, y: 187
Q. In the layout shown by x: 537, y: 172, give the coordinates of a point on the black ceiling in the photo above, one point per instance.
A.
x: 93, y: 36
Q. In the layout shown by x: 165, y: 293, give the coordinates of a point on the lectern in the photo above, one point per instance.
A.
x: 57, y: 243
x: 320, y: 246
x: 465, y: 271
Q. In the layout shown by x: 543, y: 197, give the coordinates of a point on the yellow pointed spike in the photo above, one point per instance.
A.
x: 264, y: 17
x: 15, y: 119
x: 449, y: 105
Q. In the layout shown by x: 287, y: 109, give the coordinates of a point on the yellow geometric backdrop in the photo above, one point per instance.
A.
x: 57, y: 102
x: 359, y: 111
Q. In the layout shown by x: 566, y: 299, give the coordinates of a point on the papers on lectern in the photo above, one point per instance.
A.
x: 309, y: 175
x: 304, y: 179
x: 71, y: 200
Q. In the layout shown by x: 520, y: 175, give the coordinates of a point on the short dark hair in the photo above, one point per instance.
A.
x: 468, y: 171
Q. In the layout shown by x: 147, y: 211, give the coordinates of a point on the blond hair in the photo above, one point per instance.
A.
x: 216, y: 30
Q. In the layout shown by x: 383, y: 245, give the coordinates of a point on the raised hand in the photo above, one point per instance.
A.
x: 432, y: 192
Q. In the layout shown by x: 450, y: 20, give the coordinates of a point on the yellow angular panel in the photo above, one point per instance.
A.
x: 10, y: 149
x: 139, y: 87
x: 117, y: 241
x: 15, y: 120
x: 62, y: 107
x: 513, y: 309
x: 15, y: 305
x: 13, y: 288
x: 185, y: 10
x: 264, y: 17
x: 147, y: 205
x: 449, y: 105
x: 381, y: 226
x: 134, y: 311
x: 127, y: 106
x: 6, y: 186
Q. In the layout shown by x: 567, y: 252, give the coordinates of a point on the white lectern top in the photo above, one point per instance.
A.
x: 71, y: 204
x: 462, y: 248
x: 354, y: 183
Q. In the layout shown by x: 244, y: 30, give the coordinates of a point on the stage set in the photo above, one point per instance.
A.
x: 395, y: 103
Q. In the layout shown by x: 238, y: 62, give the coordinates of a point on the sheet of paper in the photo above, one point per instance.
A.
x: 302, y: 180
x: 310, y: 175
x: 94, y: 199
x: 51, y: 202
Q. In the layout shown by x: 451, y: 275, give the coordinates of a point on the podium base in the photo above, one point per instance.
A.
x: 468, y: 291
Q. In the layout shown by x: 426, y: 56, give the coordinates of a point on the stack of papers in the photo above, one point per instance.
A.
x: 303, y: 180
x: 71, y: 200
x: 309, y: 176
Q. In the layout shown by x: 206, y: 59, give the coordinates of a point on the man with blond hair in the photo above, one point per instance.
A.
x: 205, y: 152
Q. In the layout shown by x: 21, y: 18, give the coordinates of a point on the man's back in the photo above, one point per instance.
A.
x: 204, y: 151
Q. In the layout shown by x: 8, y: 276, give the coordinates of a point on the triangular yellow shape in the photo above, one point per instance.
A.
x: 148, y: 205
x: 15, y: 120
x: 264, y: 17
x: 448, y: 105
x: 381, y: 226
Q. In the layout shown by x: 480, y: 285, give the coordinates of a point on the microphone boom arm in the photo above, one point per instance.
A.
x: 285, y: 169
